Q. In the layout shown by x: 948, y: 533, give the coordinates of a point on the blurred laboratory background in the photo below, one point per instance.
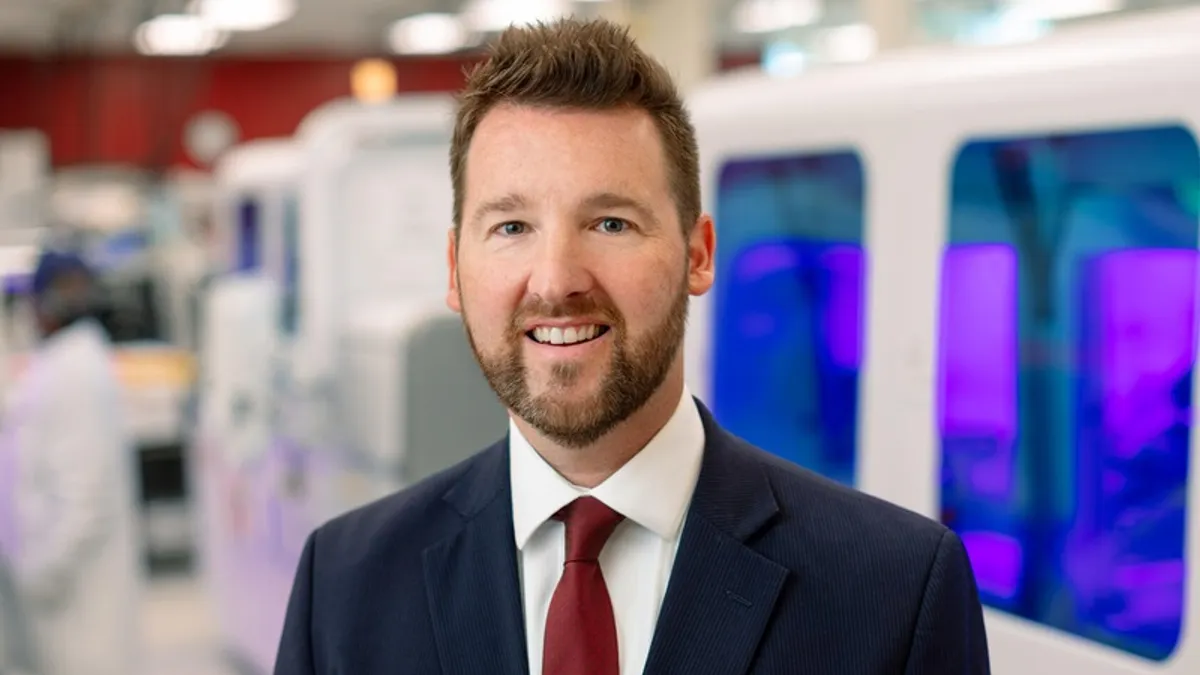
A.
x: 957, y: 269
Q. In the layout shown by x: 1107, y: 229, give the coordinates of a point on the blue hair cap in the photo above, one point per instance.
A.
x: 52, y: 265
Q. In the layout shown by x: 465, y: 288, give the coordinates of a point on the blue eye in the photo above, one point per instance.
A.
x: 512, y: 229
x: 613, y: 225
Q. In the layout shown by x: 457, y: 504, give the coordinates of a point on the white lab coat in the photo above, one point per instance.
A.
x: 74, y: 544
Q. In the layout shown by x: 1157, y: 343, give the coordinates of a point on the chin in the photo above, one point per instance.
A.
x: 584, y: 389
x: 569, y: 423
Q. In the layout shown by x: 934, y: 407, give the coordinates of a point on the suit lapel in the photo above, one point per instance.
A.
x: 471, y: 577
x: 722, y: 593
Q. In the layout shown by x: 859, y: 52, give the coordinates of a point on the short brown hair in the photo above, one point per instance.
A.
x: 588, y: 65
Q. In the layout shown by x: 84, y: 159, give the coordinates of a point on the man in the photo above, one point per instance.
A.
x: 618, y: 528
x: 67, y: 507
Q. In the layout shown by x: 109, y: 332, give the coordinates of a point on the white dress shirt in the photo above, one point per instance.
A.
x: 653, y: 491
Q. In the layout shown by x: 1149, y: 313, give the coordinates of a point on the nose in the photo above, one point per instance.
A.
x: 560, y: 266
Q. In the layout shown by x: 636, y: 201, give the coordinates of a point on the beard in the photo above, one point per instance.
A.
x: 636, y: 369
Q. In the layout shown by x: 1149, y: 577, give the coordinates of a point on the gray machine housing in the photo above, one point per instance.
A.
x: 413, y: 400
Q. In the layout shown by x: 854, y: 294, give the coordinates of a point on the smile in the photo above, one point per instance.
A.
x: 566, y: 335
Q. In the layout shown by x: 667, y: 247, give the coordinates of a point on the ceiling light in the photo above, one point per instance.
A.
x: 486, y: 16
x: 177, y: 35
x: 427, y: 34
x: 244, y: 15
x: 769, y: 16
x: 373, y: 81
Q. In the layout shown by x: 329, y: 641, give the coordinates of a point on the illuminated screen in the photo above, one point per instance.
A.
x: 249, y: 241
x: 1066, y: 346
x: 788, y: 307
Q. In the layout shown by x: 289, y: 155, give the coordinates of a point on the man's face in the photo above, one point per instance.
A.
x: 571, y: 270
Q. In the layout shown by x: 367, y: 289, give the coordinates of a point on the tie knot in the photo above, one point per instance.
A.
x: 589, y: 525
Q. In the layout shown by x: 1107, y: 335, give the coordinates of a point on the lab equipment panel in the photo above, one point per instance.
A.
x: 1066, y: 350
x: 788, y: 308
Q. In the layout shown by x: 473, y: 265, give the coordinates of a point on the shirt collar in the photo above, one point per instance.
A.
x: 653, y: 489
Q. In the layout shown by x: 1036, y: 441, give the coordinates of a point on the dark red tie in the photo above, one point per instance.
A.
x: 581, y: 633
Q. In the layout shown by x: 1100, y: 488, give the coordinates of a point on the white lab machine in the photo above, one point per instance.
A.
x: 965, y: 281
x: 233, y: 433
x: 379, y: 387
x: 249, y: 318
x: 254, y: 202
x: 376, y: 206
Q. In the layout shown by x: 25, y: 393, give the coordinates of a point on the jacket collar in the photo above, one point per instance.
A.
x: 720, y: 591
x: 732, y: 492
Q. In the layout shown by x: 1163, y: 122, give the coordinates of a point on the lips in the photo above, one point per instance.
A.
x: 566, y: 335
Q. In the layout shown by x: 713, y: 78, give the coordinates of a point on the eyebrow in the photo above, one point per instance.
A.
x: 612, y: 200
x: 506, y: 204
x: 513, y: 202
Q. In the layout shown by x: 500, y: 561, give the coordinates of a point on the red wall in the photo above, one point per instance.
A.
x: 133, y: 110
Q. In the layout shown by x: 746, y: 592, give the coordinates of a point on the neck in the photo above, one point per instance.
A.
x: 590, y: 466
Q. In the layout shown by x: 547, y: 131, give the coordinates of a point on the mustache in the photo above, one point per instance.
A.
x: 583, y: 305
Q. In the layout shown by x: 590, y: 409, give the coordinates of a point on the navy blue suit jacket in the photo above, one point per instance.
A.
x: 778, y: 571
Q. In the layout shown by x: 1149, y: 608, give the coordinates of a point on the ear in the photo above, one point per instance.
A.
x: 702, y: 249
x: 452, y: 300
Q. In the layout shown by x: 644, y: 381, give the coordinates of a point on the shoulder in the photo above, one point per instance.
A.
x: 852, y: 561
x: 402, y: 524
x: 79, y: 368
x: 83, y: 349
x: 820, y: 519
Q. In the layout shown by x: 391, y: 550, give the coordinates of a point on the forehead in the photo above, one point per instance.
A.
x: 565, y: 150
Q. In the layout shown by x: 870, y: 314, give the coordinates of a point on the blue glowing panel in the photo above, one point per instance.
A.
x: 788, y: 307
x: 249, y: 238
x: 1066, y: 350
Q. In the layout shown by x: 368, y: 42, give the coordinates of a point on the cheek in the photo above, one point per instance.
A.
x: 645, y: 293
x: 488, y: 303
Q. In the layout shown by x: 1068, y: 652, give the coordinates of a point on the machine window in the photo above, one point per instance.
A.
x: 249, y: 241
x: 1066, y: 348
x: 788, y: 322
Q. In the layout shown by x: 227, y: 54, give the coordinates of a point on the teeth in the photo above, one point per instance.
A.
x: 565, y: 336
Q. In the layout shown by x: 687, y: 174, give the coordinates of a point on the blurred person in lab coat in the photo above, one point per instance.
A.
x: 69, y: 492
x: 16, y: 647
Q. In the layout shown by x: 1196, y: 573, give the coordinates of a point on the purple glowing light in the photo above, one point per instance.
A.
x: 841, y: 271
x: 977, y: 370
x: 1147, y: 336
x: 843, y: 312
x: 764, y: 260
x: 996, y: 559
x: 978, y: 331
